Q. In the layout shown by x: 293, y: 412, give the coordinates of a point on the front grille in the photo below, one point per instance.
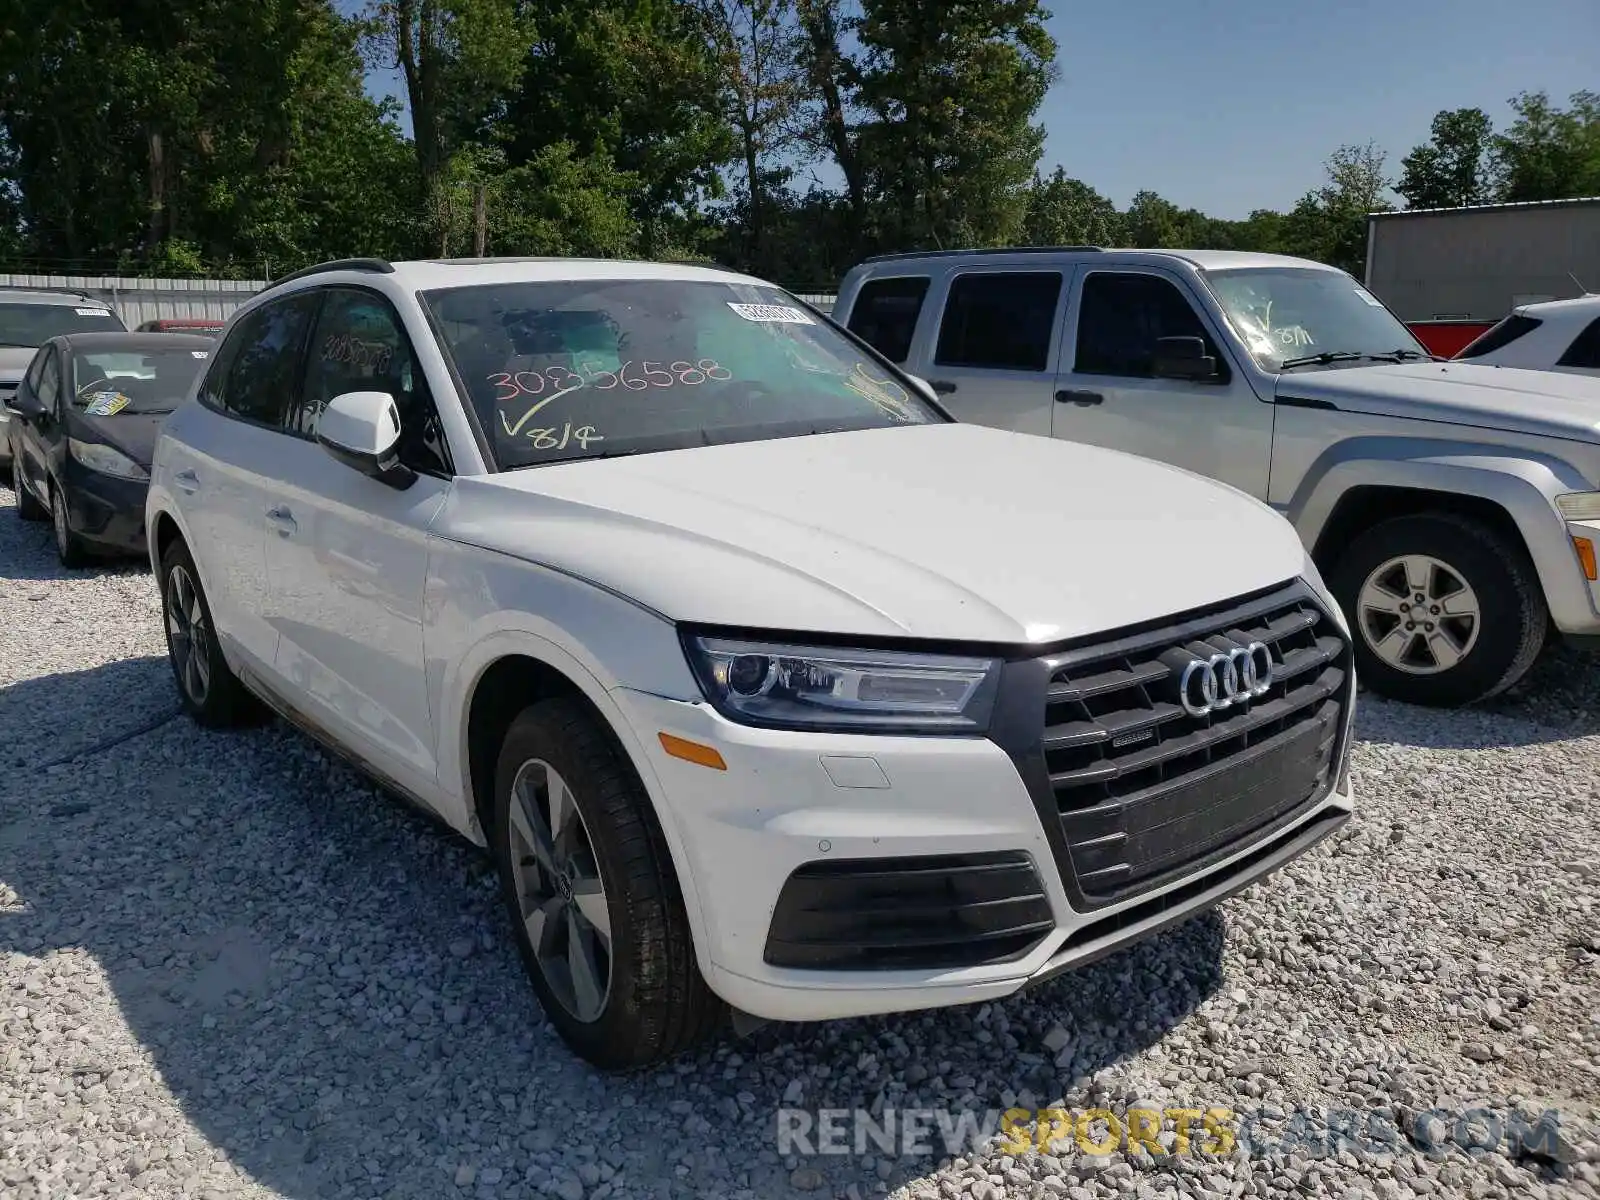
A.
x: 1146, y: 790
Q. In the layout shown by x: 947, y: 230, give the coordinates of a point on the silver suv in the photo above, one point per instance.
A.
x: 28, y: 319
x: 1454, y: 508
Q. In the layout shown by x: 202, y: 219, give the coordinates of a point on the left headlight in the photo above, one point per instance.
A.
x: 845, y: 690
x: 104, y: 459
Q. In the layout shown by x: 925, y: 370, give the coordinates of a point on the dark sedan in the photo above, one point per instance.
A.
x: 84, y: 427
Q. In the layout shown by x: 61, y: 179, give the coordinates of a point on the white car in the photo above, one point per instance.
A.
x: 764, y: 681
x: 1554, y: 335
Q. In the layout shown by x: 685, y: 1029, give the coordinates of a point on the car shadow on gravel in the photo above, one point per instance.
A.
x: 1558, y: 699
x: 328, y: 991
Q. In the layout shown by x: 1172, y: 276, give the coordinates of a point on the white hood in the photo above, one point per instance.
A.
x: 1542, y: 403
x: 940, y: 531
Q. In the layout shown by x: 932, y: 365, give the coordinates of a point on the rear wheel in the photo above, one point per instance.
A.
x: 211, y: 693
x: 1445, y: 609
x: 28, y: 506
x: 69, y: 548
x: 591, y: 890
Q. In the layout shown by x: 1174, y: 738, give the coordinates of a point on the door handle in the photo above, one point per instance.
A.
x: 282, y: 520
x: 1069, y: 396
x: 187, y: 482
x: 943, y: 386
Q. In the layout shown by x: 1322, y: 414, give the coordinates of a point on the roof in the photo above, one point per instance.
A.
x: 429, y: 274
x: 1581, y: 306
x: 1206, y: 260
x: 1509, y: 206
x: 65, y: 298
x: 117, y: 340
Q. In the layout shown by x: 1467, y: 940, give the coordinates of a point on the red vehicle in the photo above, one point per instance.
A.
x: 181, y: 325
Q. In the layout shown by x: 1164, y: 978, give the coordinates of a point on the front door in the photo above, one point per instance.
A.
x: 1106, y: 393
x: 348, y: 556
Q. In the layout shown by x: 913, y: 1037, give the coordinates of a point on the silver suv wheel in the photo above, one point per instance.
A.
x: 1418, y: 614
x: 561, y: 898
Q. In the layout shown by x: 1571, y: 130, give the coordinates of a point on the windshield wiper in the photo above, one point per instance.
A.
x: 1333, y: 356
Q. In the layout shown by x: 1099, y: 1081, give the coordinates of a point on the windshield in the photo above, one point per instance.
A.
x: 107, y: 382
x: 36, y: 324
x: 571, y: 369
x: 1288, y: 313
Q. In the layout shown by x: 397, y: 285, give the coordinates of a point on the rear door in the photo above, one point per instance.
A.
x: 994, y: 353
x: 347, y: 556
x: 231, y: 445
x: 1106, y: 393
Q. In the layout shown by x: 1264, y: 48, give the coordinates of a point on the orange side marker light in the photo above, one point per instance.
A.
x: 702, y: 756
x: 1585, y: 549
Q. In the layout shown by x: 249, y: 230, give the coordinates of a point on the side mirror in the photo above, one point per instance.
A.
x: 924, y: 387
x: 1183, y: 358
x: 362, y: 430
x: 25, y: 403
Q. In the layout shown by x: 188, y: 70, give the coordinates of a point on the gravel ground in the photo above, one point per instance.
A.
x: 228, y: 967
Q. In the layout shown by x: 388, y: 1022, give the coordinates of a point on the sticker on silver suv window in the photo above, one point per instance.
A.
x: 775, y: 313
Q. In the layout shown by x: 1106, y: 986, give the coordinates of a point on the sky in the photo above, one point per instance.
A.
x: 1233, y: 105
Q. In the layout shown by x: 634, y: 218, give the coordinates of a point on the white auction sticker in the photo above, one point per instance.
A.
x: 200, y: 353
x: 776, y: 313
x: 93, y: 312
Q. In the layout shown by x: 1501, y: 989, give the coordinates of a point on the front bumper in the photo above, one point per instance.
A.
x: 105, y: 511
x: 799, y: 823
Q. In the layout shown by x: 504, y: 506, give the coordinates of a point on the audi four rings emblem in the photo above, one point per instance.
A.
x: 1225, y: 679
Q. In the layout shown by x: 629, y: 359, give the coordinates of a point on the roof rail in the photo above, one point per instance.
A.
x: 59, y: 291
x: 377, y: 266
x: 985, y: 250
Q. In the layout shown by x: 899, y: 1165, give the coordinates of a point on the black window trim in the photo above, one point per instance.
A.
x: 52, y: 358
x: 1477, y: 348
x: 918, y: 324
x: 1225, y: 363
x: 322, y: 291
x: 1065, y: 272
x: 239, y: 325
x: 1591, y: 332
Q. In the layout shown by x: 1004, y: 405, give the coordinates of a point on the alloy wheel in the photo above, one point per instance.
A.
x: 188, y: 635
x: 560, y: 895
x: 1418, y: 614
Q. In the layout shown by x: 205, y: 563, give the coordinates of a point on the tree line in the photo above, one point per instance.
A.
x: 788, y: 138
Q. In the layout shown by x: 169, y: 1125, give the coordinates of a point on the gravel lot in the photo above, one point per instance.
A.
x: 228, y: 967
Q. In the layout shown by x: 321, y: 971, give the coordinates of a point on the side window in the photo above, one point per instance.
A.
x: 1002, y: 321
x: 49, y: 389
x: 253, y: 376
x: 359, y: 346
x: 885, y: 315
x: 1585, y: 349
x: 36, y: 369
x: 1120, y: 317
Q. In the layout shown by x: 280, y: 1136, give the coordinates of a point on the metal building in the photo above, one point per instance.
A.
x: 1478, y: 263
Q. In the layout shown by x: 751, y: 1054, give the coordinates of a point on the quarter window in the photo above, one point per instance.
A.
x: 1001, y: 321
x: 885, y: 315
x: 1585, y: 349
x: 359, y: 346
x: 1120, y: 318
x: 254, y: 375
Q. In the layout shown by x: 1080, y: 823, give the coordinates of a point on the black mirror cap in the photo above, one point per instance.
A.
x: 1183, y: 358
x: 25, y: 404
x: 389, y: 470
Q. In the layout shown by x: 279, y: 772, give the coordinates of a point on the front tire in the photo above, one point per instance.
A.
x: 210, y: 691
x: 592, y: 894
x: 69, y: 549
x: 28, y: 506
x: 1444, y: 610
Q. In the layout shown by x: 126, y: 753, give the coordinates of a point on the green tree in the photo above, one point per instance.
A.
x: 1453, y: 168
x: 1549, y: 152
x: 459, y: 60
x: 634, y: 82
x: 1068, y: 212
x: 1330, y: 223
x: 952, y: 90
x: 1153, y: 223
